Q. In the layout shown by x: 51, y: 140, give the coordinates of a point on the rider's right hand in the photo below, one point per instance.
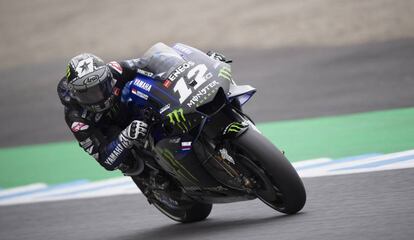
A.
x: 137, y: 130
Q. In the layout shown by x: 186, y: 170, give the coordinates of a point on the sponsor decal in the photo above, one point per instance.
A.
x: 167, y: 83
x: 202, y: 95
x: 78, y: 126
x: 165, y: 108
x: 177, y: 118
x: 145, y: 73
x: 89, y: 150
x: 86, y: 143
x: 139, y: 94
x: 178, y: 167
x: 143, y: 85
x: 175, y: 140
x: 185, y: 146
x: 114, y: 154
x: 180, y: 69
x: 91, y: 79
x: 183, y: 49
x: 116, y: 66
x: 84, y: 67
x: 234, y: 127
x: 225, y: 72
x: 68, y: 71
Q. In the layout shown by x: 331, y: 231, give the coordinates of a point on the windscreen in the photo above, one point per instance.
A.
x: 161, y: 60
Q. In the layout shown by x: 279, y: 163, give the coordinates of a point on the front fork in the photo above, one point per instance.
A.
x: 221, y: 160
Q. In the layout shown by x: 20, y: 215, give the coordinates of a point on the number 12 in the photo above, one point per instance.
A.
x: 198, y: 72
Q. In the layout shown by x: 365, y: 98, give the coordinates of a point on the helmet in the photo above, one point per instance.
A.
x: 90, y: 82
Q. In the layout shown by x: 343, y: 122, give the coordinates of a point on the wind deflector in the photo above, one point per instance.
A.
x: 211, y: 108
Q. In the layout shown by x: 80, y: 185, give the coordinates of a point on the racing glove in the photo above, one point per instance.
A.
x: 136, y: 131
x: 218, y: 56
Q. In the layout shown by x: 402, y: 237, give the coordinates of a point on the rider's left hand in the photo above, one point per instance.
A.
x: 218, y: 56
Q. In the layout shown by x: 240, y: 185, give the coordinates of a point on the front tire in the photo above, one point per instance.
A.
x: 286, y: 192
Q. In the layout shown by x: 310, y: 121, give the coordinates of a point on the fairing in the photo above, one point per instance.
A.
x: 183, y: 81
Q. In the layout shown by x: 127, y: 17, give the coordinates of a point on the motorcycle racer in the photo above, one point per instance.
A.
x: 90, y: 92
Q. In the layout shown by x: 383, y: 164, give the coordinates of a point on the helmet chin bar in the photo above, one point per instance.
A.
x: 100, y: 107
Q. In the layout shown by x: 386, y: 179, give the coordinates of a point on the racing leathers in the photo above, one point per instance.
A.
x: 108, y: 135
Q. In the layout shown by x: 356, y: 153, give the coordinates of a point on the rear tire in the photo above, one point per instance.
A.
x: 286, y: 192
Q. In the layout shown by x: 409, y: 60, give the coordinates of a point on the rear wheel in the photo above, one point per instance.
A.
x: 278, y: 184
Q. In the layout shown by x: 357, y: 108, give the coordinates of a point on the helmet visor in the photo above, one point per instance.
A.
x: 94, y: 94
x: 93, y: 88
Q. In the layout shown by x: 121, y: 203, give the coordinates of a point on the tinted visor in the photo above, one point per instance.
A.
x: 93, y: 88
x: 94, y: 94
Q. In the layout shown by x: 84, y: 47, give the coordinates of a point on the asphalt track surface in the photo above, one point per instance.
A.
x: 376, y: 205
x: 292, y: 83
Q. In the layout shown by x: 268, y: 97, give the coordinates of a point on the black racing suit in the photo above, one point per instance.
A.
x: 97, y: 133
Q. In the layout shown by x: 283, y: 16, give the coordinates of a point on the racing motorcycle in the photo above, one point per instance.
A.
x: 201, y: 147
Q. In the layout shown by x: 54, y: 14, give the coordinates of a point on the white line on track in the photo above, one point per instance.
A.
x: 40, y: 192
x: 27, y: 188
x: 328, y: 169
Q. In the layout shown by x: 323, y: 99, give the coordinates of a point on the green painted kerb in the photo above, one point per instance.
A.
x: 339, y: 136
x: 49, y: 163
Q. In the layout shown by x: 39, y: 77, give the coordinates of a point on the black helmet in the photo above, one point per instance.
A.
x: 90, y: 82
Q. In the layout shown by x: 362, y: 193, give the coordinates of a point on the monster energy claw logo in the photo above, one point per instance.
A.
x: 67, y: 71
x: 177, y: 118
x: 234, y: 127
x: 225, y: 72
x: 178, y: 167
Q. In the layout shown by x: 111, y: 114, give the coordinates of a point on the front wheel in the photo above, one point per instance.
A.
x: 279, y: 185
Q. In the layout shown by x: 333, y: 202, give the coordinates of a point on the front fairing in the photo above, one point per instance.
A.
x: 177, y: 97
x: 178, y: 88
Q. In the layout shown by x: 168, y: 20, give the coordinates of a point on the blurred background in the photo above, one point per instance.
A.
x: 290, y: 44
x: 334, y: 78
x: 307, y: 59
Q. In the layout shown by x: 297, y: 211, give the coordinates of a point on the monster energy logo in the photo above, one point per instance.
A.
x: 225, y: 72
x: 178, y: 167
x: 177, y: 119
x: 234, y: 127
x: 67, y: 72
